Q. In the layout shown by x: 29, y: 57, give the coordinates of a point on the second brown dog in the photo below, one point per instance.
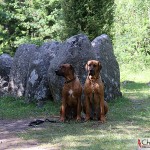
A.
x: 95, y: 106
x: 71, y: 93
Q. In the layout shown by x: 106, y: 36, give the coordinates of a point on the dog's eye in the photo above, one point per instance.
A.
x: 94, y: 65
x: 61, y: 67
x: 89, y: 65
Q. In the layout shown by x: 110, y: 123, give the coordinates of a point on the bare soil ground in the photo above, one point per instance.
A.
x: 10, y: 141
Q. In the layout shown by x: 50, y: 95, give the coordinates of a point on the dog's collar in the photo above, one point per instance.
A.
x: 66, y: 82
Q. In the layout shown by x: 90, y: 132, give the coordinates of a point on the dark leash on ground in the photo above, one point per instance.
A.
x: 39, y: 121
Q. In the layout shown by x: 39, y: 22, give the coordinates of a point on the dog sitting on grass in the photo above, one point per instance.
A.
x: 71, y: 93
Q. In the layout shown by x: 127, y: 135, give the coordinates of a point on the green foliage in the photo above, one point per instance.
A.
x: 92, y: 17
x: 35, y: 21
x: 28, y: 22
x: 132, y: 31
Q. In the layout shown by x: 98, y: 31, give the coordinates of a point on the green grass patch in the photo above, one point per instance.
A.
x: 14, y: 108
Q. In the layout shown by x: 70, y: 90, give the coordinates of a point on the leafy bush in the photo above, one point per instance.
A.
x: 36, y: 21
x: 132, y: 30
x: 28, y: 22
x: 92, y: 17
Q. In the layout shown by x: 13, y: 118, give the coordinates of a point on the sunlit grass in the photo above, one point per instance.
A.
x: 139, y: 76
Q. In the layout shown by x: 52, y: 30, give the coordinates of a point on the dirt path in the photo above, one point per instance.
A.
x: 8, y: 135
x: 10, y: 141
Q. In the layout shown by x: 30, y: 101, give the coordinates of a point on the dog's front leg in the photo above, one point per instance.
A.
x: 79, y: 109
x: 102, y: 113
x: 87, y: 102
x: 63, y: 110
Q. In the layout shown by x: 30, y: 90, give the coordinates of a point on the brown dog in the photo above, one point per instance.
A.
x: 71, y: 93
x: 95, y: 106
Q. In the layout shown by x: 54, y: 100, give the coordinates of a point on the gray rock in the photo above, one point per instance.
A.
x: 5, y: 65
x: 148, y: 84
x: 110, y: 69
x: 28, y: 76
x: 37, y: 86
x: 20, y: 68
x: 33, y: 69
x: 76, y: 51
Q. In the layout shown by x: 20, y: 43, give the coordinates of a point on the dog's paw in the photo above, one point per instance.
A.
x: 103, y: 119
x: 78, y: 119
x: 62, y: 119
x: 87, y: 118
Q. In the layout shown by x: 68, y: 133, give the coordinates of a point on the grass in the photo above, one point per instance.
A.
x: 14, y: 108
x: 127, y: 120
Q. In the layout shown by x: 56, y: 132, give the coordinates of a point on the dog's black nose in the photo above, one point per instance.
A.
x: 56, y: 71
x: 92, y: 73
x: 59, y: 73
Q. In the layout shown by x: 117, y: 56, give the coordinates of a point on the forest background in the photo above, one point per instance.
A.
x: 127, y: 22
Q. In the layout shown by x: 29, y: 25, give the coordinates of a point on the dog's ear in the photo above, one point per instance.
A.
x: 99, y: 66
x: 72, y: 68
x: 86, y: 67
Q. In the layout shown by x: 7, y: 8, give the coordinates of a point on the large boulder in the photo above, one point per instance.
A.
x: 33, y: 69
x: 110, y: 69
x: 5, y: 65
x: 28, y: 76
x: 20, y: 68
x: 77, y: 51
x: 37, y: 86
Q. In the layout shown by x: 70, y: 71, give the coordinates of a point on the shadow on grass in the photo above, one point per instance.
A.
x: 136, y: 91
x: 124, y: 122
x: 131, y: 85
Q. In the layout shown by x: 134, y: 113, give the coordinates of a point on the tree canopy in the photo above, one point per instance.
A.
x: 35, y: 21
x: 28, y: 22
x: 92, y: 17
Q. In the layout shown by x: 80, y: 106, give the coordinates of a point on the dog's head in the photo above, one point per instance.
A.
x: 64, y: 70
x: 93, y: 67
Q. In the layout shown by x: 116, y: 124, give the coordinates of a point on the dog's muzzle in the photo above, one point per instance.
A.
x: 59, y: 73
x: 92, y: 72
